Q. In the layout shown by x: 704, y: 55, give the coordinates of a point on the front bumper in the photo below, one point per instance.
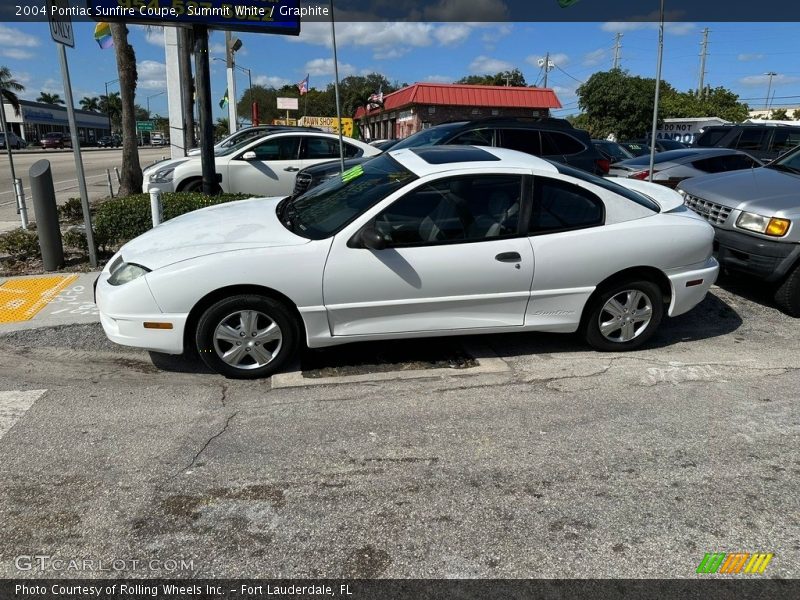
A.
x: 690, y: 285
x: 124, y: 309
x: 766, y: 259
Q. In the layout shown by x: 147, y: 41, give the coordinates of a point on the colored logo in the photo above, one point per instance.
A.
x: 737, y: 562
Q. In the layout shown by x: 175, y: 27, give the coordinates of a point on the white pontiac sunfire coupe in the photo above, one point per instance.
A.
x: 437, y: 241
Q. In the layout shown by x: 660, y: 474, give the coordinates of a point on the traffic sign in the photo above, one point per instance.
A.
x: 60, y: 22
x: 145, y: 125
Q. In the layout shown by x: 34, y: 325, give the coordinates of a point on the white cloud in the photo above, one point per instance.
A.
x: 763, y: 80
x: 485, y: 65
x: 495, y: 34
x: 17, y: 53
x: 749, y: 57
x: 17, y: 38
x: 650, y: 22
x: 439, y: 79
x: 595, y: 57
x: 452, y: 33
x: 152, y: 75
x: 390, y: 53
x: 558, y: 58
x: 218, y: 48
x: 324, y: 66
x: 270, y: 82
x: 155, y: 36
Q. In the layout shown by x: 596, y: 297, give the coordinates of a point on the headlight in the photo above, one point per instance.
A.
x: 681, y: 192
x: 126, y: 273
x: 764, y: 225
x: 162, y: 175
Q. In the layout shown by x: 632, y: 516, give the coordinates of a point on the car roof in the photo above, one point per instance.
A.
x: 464, y: 157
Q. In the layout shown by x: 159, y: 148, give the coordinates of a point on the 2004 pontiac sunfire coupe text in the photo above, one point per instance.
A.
x: 420, y: 242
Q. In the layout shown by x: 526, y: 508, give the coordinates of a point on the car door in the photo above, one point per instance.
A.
x: 269, y: 169
x: 455, y: 260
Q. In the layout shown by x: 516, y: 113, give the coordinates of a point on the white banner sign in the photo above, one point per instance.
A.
x: 287, y: 103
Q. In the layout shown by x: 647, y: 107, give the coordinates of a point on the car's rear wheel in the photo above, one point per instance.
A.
x: 787, y: 296
x: 624, y: 316
x: 247, y: 336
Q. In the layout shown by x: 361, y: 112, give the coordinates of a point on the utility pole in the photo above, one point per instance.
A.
x: 703, y: 54
x: 617, y: 48
x: 547, y: 66
x: 508, y: 80
x: 769, y: 74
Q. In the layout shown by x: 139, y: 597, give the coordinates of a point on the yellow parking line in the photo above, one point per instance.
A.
x: 22, y: 297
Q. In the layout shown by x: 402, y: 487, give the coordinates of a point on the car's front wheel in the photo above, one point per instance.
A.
x: 788, y: 294
x: 247, y: 336
x: 624, y: 316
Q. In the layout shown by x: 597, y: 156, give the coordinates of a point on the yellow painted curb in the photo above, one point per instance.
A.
x: 21, y: 298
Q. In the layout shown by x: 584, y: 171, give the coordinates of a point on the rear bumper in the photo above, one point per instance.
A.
x: 766, y: 259
x: 690, y: 285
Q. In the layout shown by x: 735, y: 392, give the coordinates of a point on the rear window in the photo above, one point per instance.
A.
x: 785, y: 139
x: 608, y: 185
x: 711, y: 137
x: 751, y: 139
x: 523, y: 140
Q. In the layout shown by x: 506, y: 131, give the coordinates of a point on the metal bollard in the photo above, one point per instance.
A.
x: 44, y: 204
x: 110, y: 187
x: 155, y: 206
x: 119, y: 179
x: 22, y: 210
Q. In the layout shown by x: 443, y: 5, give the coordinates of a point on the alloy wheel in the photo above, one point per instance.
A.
x: 625, y: 316
x: 247, y: 339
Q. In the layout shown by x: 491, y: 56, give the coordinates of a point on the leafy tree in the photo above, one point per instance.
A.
x: 713, y: 102
x: 131, y: 175
x: 91, y: 104
x: 49, y: 98
x: 780, y: 114
x: 513, y: 78
x: 9, y: 87
x: 796, y: 114
x: 111, y: 106
x: 265, y: 98
x: 221, y: 128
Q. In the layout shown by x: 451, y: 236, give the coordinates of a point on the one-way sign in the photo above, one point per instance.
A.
x: 60, y: 22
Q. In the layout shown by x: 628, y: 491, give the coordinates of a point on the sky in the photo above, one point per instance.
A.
x: 739, y: 55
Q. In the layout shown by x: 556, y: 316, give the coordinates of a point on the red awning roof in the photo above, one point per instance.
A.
x: 492, y: 96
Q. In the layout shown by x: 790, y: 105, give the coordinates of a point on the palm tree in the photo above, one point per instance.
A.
x: 9, y: 88
x: 49, y: 98
x: 131, y: 175
x: 111, y: 105
x: 91, y: 104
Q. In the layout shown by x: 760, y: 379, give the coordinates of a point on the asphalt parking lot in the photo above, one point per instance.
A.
x: 563, y: 463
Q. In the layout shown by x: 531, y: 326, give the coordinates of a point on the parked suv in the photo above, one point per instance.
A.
x: 555, y: 139
x: 756, y: 219
x: 765, y: 142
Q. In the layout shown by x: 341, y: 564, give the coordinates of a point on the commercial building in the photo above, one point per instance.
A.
x: 36, y: 119
x: 424, y: 105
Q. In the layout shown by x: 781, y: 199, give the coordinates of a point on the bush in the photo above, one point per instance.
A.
x: 122, y: 219
x: 75, y: 238
x: 71, y: 211
x: 20, y: 244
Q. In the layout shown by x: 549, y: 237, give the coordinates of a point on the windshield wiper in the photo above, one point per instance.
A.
x: 781, y: 167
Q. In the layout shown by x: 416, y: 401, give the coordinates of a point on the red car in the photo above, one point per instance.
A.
x: 56, y: 140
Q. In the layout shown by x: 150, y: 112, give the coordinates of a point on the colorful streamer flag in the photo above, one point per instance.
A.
x: 102, y: 35
x: 224, y: 100
x: 303, y: 85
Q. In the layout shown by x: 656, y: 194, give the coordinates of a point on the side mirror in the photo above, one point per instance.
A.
x: 249, y: 155
x: 372, y: 239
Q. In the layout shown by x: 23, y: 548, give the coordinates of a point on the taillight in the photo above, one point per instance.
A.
x: 642, y: 175
x: 603, y: 164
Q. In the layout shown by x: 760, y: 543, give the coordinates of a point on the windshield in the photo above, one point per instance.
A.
x: 220, y: 151
x: 325, y: 209
x: 789, y: 162
x: 427, y: 137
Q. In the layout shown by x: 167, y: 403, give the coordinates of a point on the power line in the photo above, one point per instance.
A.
x: 568, y: 75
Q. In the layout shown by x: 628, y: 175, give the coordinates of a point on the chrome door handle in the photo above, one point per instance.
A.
x: 291, y: 169
x: 509, y: 257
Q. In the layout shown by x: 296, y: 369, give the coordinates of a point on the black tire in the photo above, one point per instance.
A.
x: 787, y: 297
x: 614, y: 340
x: 194, y: 185
x: 227, y: 311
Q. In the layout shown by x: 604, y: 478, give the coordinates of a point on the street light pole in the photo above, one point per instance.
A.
x: 770, y: 74
x: 108, y: 104
x: 336, y: 90
x: 148, y: 101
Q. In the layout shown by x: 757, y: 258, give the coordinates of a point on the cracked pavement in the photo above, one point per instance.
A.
x: 571, y: 464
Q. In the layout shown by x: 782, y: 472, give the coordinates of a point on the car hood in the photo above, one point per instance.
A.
x: 667, y: 198
x: 222, y: 228
x: 763, y: 190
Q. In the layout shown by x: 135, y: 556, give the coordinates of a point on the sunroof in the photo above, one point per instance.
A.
x: 439, y: 155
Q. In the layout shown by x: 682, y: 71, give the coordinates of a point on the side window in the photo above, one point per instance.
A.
x: 561, y: 206
x: 350, y: 151
x: 752, y: 138
x: 284, y: 148
x: 715, y: 164
x: 562, y: 143
x: 785, y: 139
x: 736, y: 162
x: 524, y: 140
x: 456, y: 209
x: 321, y: 148
x: 476, y: 137
x: 711, y: 137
